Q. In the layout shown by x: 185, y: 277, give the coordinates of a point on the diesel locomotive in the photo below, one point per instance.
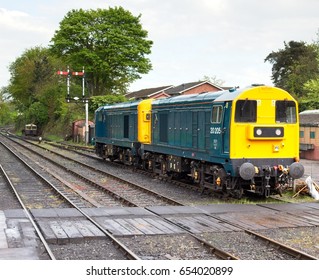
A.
x: 229, y: 141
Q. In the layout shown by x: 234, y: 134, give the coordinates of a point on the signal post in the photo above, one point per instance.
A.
x: 76, y: 99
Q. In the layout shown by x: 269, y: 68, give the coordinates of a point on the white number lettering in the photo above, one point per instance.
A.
x: 215, y: 130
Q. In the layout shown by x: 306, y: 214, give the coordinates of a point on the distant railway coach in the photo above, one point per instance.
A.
x: 228, y: 141
x: 30, y: 130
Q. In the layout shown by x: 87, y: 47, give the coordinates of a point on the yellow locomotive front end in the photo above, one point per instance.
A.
x: 264, y: 143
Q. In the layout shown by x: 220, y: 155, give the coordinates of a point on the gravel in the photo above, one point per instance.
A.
x: 168, y: 247
x: 305, y: 239
x: 244, y: 246
x: 93, y: 249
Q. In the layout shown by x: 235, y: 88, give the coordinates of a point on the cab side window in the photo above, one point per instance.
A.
x: 217, y: 113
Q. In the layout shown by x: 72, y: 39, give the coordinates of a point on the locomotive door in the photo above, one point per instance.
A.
x: 226, y: 128
x: 219, y: 128
x: 201, y: 130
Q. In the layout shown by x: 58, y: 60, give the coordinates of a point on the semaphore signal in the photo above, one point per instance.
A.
x: 76, y: 99
x: 64, y: 73
x: 78, y: 73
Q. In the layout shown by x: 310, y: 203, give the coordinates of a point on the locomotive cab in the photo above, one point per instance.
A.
x: 265, y: 139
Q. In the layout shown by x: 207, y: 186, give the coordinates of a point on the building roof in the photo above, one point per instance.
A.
x: 147, y: 93
x: 309, y: 118
x: 188, y: 86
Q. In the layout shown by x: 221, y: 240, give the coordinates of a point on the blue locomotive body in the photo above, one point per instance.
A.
x: 228, y: 141
x: 116, y: 129
x: 183, y: 127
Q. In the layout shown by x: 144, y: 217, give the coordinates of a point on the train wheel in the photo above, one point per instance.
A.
x: 238, y: 193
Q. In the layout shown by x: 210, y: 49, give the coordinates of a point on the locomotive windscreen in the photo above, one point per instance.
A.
x: 286, y: 112
x: 246, y: 111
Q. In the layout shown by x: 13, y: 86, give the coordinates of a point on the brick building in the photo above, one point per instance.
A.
x: 195, y: 87
x: 309, y: 134
x: 158, y: 92
x: 167, y: 91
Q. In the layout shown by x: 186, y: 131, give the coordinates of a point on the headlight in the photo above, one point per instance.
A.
x: 278, y: 132
x: 268, y: 132
x: 259, y: 132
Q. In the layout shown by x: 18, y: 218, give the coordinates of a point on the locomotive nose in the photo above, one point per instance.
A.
x: 296, y: 170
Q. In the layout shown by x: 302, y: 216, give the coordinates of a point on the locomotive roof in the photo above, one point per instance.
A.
x: 188, y: 98
x: 123, y: 105
x: 235, y: 93
x: 223, y: 95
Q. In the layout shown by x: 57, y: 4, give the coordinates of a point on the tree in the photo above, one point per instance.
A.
x: 214, y: 80
x: 311, y: 98
x: 293, y: 66
x: 97, y: 101
x: 7, y: 112
x: 110, y: 44
x: 34, y: 86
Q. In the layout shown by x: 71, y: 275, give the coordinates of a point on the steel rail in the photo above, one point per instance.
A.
x: 285, y: 248
x: 122, y: 247
x: 29, y: 216
x: 218, y: 252
x: 134, y: 185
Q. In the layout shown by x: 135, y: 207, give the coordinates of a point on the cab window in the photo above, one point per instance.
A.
x: 217, y: 113
x: 99, y: 116
x: 286, y: 112
x: 246, y: 111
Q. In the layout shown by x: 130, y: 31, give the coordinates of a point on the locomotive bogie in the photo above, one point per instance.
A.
x: 228, y: 141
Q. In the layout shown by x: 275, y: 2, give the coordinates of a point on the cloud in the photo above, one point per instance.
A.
x: 12, y: 21
x: 228, y: 39
x: 19, y: 31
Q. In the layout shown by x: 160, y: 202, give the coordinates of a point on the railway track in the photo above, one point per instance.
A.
x: 207, y: 247
x: 211, y: 250
x: 180, y: 192
x: 131, y: 194
x: 258, y: 243
x: 84, y: 153
x: 24, y: 198
x: 29, y: 216
x: 36, y: 190
x: 214, y: 251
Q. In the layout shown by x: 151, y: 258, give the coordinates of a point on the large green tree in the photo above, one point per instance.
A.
x: 35, y: 88
x: 293, y: 66
x: 110, y: 43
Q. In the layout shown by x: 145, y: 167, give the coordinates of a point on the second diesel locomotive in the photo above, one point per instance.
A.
x: 229, y: 141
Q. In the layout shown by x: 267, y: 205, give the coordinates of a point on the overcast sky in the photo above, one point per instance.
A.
x: 228, y: 39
